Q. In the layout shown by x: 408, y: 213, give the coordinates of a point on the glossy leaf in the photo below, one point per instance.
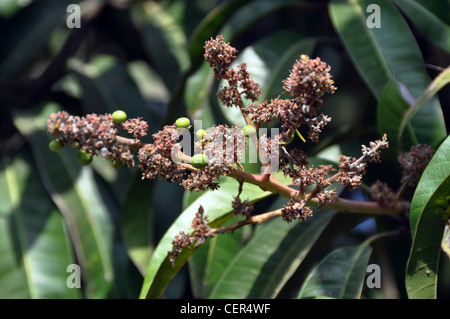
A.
x: 395, y: 76
x: 77, y: 197
x: 265, y: 264
x: 429, y: 212
x: 436, y: 30
x: 435, y: 86
x: 211, y: 259
x: 339, y: 275
x: 217, y: 207
x: 379, y: 55
x: 31, y: 33
x: 34, y: 247
x: 137, y: 222
x: 107, y: 86
x: 209, y: 27
x: 409, y: 121
x: 164, y: 42
x: 249, y: 14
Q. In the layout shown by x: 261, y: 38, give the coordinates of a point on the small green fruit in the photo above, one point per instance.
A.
x: 117, y: 164
x: 199, y: 161
x: 249, y: 130
x: 119, y: 117
x: 183, y: 122
x: 201, y: 134
x: 83, y: 158
x: 55, y: 146
x: 75, y: 145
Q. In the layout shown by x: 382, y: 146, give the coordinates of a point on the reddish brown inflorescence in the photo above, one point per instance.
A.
x: 414, y: 162
x: 224, y: 146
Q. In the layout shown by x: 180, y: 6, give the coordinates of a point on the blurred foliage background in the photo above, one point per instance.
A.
x: 146, y: 58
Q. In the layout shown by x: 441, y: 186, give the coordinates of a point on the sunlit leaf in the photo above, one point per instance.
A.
x: 428, y: 215
x: 34, y: 245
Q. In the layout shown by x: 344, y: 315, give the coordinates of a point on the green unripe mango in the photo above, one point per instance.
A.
x: 199, y: 161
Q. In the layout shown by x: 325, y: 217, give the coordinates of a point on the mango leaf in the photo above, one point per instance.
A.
x: 436, y: 30
x: 428, y: 215
x: 209, y: 27
x: 273, y: 254
x: 78, y: 198
x: 211, y: 259
x: 108, y: 86
x: 34, y: 245
x: 377, y: 54
x: 408, y: 121
x: 339, y: 275
x: 254, y: 11
x: 437, y: 84
x: 31, y: 33
x: 137, y: 222
x: 217, y: 207
x: 164, y: 42
x: 392, y: 66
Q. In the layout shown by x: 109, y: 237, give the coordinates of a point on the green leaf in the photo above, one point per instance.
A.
x: 379, y: 54
x: 31, y: 33
x: 249, y: 14
x: 265, y: 264
x: 137, y: 222
x: 436, y: 30
x: 436, y: 85
x: 340, y: 274
x: 164, y: 42
x: 395, y: 117
x: 429, y: 212
x: 211, y: 259
x: 78, y: 198
x: 108, y: 86
x: 209, y: 27
x: 34, y: 245
x: 217, y: 207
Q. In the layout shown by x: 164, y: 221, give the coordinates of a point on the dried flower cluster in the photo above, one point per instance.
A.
x: 352, y: 170
x: 382, y: 194
x: 308, y: 81
x: 219, y: 55
x: 240, y: 207
x: 201, y: 231
x: 295, y: 210
x: 414, y: 162
x: 96, y: 134
x: 223, y: 146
